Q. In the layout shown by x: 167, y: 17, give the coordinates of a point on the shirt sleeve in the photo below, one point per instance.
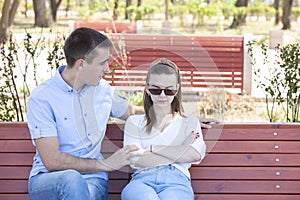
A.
x: 131, y: 133
x: 40, y: 119
x: 199, y: 144
x: 119, y: 106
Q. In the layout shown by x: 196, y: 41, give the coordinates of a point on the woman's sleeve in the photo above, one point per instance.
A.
x: 199, y: 144
x: 131, y: 132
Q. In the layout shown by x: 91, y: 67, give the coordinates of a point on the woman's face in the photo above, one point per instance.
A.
x: 162, y: 88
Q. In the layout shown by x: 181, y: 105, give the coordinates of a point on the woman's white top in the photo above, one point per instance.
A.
x: 173, y: 135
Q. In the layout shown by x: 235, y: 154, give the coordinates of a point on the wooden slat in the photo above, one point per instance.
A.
x: 16, y: 159
x: 245, y: 173
x: 117, y: 27
x: 14, y: 172
x: 116, y: 186
x: 13, y: 186
x: 255, y: 160
x: 14, y: 130
x: 245, y: 197
x: 259, y: 132
x: 14, y: 197
x: 16, y: 146
x: 247, y: 187
x: 273, y: 147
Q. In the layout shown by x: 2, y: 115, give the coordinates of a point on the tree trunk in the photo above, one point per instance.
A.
x: 67, y: 7
x: 128, y: 3
x: 42, y: 13
x: 54, y: 7
x: 9, y: 10
x: 115, y: 11
x: 239, y: 18
x: 13, y: 11
x: 286, y: 13
x: 166, y: 10
x: 276, y: 6
x: 139, y: 3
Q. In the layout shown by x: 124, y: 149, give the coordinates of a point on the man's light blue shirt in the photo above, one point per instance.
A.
x: 78, y: 119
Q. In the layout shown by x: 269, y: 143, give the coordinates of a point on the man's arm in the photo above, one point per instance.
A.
x: 132, y: 110
x: 55, y: 160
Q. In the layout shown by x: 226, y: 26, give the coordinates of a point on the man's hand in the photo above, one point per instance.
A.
x: 120, y: 158
x: 207, y: 122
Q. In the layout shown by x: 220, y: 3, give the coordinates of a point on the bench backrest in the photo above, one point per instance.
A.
x: 204, y: 61
x: 105, y: 26
x: 244, y: 161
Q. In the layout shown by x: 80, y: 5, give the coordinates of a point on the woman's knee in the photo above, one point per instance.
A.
x: 138, y: 191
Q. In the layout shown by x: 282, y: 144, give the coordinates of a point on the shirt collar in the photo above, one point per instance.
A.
x: 60, y: 81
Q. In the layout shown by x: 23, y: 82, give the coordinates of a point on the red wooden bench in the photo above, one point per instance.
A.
x: 205, y: 61
x: 244, y: 161
x: 105, y: 26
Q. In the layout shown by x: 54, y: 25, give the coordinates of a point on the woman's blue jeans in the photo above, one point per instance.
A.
x: 159, y: 183
x: 67, y: 184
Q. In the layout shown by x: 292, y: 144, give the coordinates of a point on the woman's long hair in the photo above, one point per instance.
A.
x: 162, y: 66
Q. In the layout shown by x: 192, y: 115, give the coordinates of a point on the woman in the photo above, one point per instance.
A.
x: 170, y: 140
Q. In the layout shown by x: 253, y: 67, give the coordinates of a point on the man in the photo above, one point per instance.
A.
x: 67, y: 117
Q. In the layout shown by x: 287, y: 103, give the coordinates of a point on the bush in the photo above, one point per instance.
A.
x: 19, y: 70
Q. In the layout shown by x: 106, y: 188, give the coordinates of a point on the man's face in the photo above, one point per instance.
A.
x: 96, y: 64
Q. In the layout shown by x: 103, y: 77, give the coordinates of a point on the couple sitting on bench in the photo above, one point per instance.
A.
x: 67, y: 117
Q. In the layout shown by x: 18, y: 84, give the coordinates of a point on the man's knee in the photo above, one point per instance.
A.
x: 73, y: 178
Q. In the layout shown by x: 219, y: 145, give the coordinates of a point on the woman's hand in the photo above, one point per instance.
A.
x: 191, y: 138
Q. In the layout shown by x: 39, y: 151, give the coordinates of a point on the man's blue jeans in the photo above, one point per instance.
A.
x: 164, y: 182
x: 67, y: 184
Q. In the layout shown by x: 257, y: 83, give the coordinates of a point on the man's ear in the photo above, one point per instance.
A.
x: 79, y: 63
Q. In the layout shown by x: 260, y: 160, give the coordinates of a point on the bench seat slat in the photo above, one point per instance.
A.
x: 14, y: 196
x: 245, y: 197
x: 22, y: 172
x: 16, y: 159
x: 246, y: 173
x: 16, y: 146
x: 232, y: 146
x: 247, y: 187
x: 14, y: 172
x: 255, y: 160
x: 254, y: 146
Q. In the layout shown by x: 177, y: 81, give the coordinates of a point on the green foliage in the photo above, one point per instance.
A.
x: 20, y: 63
x: 282, y: 83
x: 86, y: 10
x: 134, y: 98
x: 290, y: 60
x: 227, y: 9
x: 296, y: 12
x: 140, y: 12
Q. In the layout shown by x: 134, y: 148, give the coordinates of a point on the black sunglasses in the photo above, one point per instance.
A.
x: 167, y: 92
